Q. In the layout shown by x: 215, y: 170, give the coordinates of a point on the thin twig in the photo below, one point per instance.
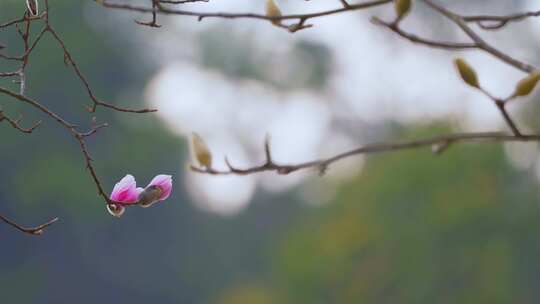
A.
x: 323, y: 164
x: 498, y: 22
x: 79, y: 136
x: 37, y: 230
x: 451, y: 46
x: 481, y: 43
x: 200, y: 16
x: 15, y: 123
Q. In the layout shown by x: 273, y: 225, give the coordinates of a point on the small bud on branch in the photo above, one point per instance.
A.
x: 526, y: 85
x: 201, y: 151
x: 466, y: 72
x: 272, y: 10
x: 402, y: 8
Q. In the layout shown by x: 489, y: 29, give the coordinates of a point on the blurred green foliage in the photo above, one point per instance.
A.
x: 414, y: 228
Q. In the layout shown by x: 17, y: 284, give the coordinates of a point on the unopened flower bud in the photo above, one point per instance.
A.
x: 466, y: 72
x: 272, y: 10
x: 526, y: 85
x: 201, y: 151
x: 402, y: 7
x: 157, y: 190
x: 149, y: 196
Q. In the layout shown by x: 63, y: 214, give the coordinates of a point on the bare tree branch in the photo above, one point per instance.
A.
x: 322, y: 165
x: 490, y: 22
x: 37, y: 230
x: 22, y: 26
x: 15, y: 123
x: 153, y: 22
x: 302, y: 18
x: 79, y: 136
x: 481, y: 43
x: 451, y: 46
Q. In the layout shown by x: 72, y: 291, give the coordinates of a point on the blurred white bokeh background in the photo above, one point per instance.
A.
x: 370, y: 76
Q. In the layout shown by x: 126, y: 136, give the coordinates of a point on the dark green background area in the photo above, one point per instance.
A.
x: 461, y: 227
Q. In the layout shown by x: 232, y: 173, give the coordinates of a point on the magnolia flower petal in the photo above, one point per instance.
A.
x: 125, y: 190
x: 164, y: 182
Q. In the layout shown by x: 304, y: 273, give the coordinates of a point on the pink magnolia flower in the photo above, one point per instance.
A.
x: 126, y: 191
x: 157, y: 190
